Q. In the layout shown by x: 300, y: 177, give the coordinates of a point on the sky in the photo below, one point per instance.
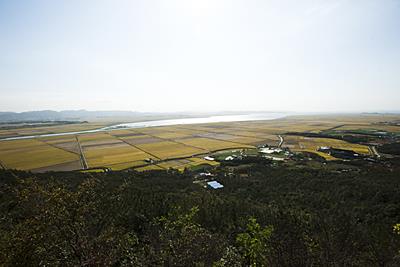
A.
x: 200, y: 55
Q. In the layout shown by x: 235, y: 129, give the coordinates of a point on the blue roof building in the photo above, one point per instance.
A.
x: 214, y: 185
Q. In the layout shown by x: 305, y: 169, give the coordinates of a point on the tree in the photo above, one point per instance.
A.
x: 183, y: 242
x: 254, y: 243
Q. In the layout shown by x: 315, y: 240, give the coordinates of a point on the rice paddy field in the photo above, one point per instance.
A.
x: 35, y: 155
x: 28, y: 131
x: 177, y: 147
x: 186, y: 163
x: 169, y: 150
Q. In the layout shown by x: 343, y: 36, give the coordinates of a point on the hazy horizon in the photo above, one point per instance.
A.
x: 216, y: 112
x: 200, y: 56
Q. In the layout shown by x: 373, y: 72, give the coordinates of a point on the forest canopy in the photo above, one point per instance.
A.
x: 264, y: 216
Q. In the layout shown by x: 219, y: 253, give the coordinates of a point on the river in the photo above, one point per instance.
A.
x: 210, y: 119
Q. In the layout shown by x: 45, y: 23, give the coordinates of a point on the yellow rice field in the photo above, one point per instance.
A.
x: 125, y: 165
x: 148, y: 168
x: 103, y: 157
x: 186, y: 163
x: 32, y: 154
x: 211, y: 144
x: 167, y: 150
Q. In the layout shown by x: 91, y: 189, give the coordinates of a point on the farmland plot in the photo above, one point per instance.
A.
x: 211, y: 144
x: 33, y: 154
x: 300, y: 143
x: 108, y: 156
x: 142, y: 139
x: 168, y: 149
x: 149, y: 168
x: 67, y: 143
x: 186, y: 163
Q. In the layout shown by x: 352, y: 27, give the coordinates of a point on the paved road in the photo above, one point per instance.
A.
x: 281, y: 140
x: 374, y: 151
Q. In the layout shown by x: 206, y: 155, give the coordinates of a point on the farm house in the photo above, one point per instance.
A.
x: 214, y: 185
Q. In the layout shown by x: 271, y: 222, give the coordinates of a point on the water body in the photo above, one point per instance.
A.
x: 145, y: 124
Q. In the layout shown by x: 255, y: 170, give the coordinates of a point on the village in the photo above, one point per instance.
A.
x: 207, y: 177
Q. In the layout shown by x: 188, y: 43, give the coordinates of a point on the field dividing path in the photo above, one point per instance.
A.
x: 229, y: 133
x: 132, y: 145
x: 2, y: 166
x: 175, y: 141
x: 82, y: 156
x: 335, y: 127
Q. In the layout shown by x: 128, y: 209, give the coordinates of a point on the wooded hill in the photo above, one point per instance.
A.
x: 265, y: 215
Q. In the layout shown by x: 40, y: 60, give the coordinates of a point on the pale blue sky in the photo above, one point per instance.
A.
x: 178, y: 55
